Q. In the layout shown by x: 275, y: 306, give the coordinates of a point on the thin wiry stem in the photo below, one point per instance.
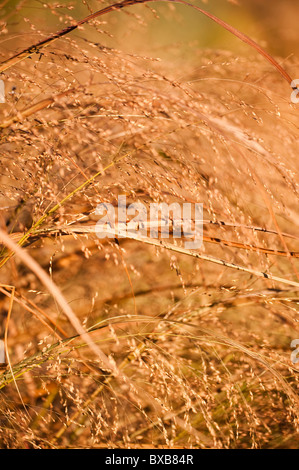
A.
x: 169, y: 246
x: 37, y: 47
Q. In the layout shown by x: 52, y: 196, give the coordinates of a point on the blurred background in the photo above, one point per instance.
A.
x: 163, y: 30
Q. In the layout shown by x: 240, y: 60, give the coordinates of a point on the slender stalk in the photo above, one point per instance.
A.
x: 37, y: 47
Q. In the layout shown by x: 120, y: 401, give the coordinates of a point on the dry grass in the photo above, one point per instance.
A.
x: 184, y: 349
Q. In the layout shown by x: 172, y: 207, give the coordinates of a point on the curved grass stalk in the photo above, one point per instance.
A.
x: 55, y: 291
x: 37, y: 234
x: 108, y: 363
x: 169, y: 246
x: 37, y: 47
